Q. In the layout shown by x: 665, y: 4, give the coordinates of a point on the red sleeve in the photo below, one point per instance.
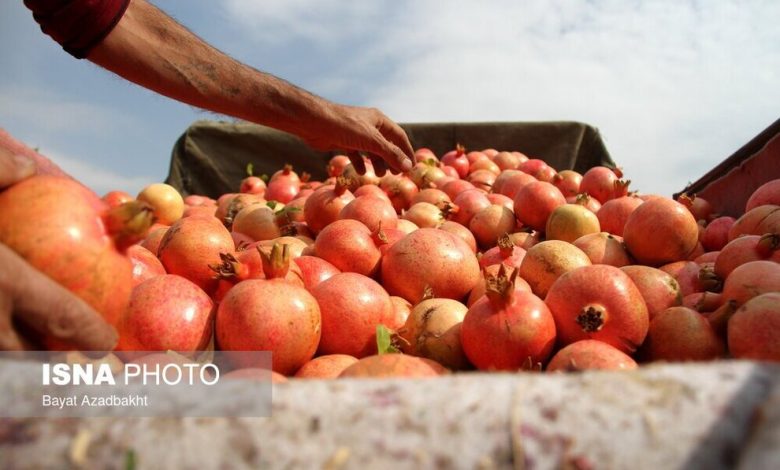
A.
x: 78, y: 25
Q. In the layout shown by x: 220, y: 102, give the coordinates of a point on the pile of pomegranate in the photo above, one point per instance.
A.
x: 478, y: 260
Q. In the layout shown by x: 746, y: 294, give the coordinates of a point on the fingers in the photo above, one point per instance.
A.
x: 52, y: 310
x: 357, y: 161
x: 14, y: 168
x: 395, y: 134
x: 393, y: 155
x: 380, y: 167
x: 9, y: 338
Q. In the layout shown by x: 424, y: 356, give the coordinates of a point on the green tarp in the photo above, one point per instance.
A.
x: 210, y: 158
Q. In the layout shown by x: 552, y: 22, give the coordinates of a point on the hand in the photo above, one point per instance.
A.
x: 36, y: 302
x: 355, y: 129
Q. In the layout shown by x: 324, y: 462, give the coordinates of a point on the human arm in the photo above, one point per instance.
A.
x: 149, y: 48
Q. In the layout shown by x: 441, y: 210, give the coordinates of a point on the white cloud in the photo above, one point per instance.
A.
x: 48, y: 112
x: 100, y: 179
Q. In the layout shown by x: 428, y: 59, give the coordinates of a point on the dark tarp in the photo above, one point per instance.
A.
x: 210, y: 158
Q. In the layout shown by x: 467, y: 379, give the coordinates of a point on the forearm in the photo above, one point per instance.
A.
x: 151, y: 49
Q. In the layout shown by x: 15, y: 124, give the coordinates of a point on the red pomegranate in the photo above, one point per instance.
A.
x: 681, y: 334
x: 424, y: 215
x: 430, y: 258
x: 767, y: 193
x: 400, y: 189
x: 394, y: 366
x: 116, y: 198
x: 505, y: 252
x: 490, y: 223
x: 479, y: 290
x: 270, y: 315
x: 325, y: 367
x: 482, y: 179
x: 598, y: 302
x: 758, y: 221
x: 145, y: 264
x: 659, y: 289
x: 716, y: 234
x: 469, y: 203
x: 590, y: 354
x: 166, y: 312
x: 325, y: 204
x: 692, y: 277
x: 455, y: 187
x: 283, y: 186
x: 506, y: 329
x: 614, y: 213
x: 153, y: 239
x: 349, y: 245
x: 603, y: 183
x: 460, y: 231
x: 336, y: 165
x: 699, y: 207
x: 535, y: 202
x: 314, y: 270
x: 754, y: 328
x: 191, y: 246
x: 604, y: 248
x: 745, y: 249
x: 64, y: 230
x: 506, y: 160
x: 568, y: 181
x: 374, y: 212
x: 661, y: 231
x: 258, y: 222
x: 252, y: 185
x: 538, y: 169
x: 750, y: 280
x: 352, y: 306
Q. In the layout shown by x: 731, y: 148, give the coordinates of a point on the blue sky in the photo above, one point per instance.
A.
x: 673, y: 86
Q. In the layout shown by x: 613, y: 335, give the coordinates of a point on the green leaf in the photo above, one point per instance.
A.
x: 384, y: 341
x: 272, y: 204
x: 130, y: 460
x: 249, y: 169
x: 264, y: 177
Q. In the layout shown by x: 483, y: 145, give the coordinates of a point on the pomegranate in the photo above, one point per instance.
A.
x: 547, y: 261
x: 502, y: 200
x: 434, y: 196
x: 352, y: 306
x: 525, y: 239
x: 349, y: 246
x: 681, y: 334
x: 570, y: 222
x: 598, y: 302
x: 505, y: 252
x: 371, y: 190
x: 490, y: 223
x: 750, y: 280
x: 430, y: 258
x: 145, y: 264
x: 716, y: 234
x: 482, y: 179
x: 424, y: 154
x: 325, y: 204
x: 469, y: 203
x: 506, y: 161
x: 325, y: 367
x: 603, y: 183
x: 252, y: 185
x: 485, y: 164
x: 604, y: 248
x: 270, y: 315
x: 614, y: 213
x: 166, y: 202
x: 402, y: 308
x: 374, y: 212
x: 166, y: 312
x: 479, y: 290
x: 760, y: 220
x: 506, y: 329
x: 283, y: 186
x: 754, y: 328
x: 458, y: 160
x: 455, y: 187
x: 535, y: 202
x: 336, y: 165
x: 460, y: 231
x: 393, y: 365
x: 475, y: 155
x: 700, y: 208
x: 745, y: 249
x: 400, y: 189
x: 424, y: 215
x: 659, y: 289
x: 235, y: 204
x: 660, y: 231
x: 708, y: 257
x: 538, y: 169
x: 692, y: 277
x: 510, y: 182
x: 384, y: 238
x: 153, y: 239
x: 432, y: 330
x: 116, y: 198
x: 767, y: 193
x: 193, y: 244
x: 407, y: 226
x: 314, y: 270
x: 568, y: 182
x: 258, y: 222
x: 590, y: 354
x: 66, y: 231
x: 703, y: 301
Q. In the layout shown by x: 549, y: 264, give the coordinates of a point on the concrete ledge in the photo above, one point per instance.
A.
x: 716, y: 415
